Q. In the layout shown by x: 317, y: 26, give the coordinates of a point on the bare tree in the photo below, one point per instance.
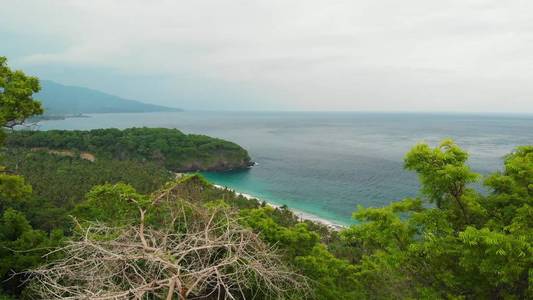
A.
x: 198, y: 254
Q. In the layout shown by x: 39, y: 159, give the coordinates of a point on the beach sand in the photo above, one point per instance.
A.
x: 300, y: 214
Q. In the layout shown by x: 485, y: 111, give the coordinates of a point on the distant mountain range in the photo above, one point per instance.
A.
x: 59, y: 99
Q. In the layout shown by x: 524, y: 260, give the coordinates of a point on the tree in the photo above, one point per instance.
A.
x: 468, y: 245
x: 16, y: 105
x: 332, y: 278
x: 16, y: 96
x: 21, y: 248
x: 18, y: 240
x: 444, y: 176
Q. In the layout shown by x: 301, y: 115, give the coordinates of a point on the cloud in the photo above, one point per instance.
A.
x: 326, y: 55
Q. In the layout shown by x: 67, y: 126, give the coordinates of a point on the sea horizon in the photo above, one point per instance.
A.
x: 328, y: 163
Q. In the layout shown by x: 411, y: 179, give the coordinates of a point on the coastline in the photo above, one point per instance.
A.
x: 300, y: 214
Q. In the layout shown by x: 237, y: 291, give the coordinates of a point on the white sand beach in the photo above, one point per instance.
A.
x: 300, y: 214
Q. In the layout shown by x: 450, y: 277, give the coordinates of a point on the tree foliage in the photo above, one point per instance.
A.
x: 16, y: 97
x: 171, y: 148
x: 21, y: 247
x: 469, y: 245
x: 58, y: 183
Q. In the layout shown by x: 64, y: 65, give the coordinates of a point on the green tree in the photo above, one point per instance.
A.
x: 466, y: 246
x: 332, y: 278
x: 21, y: 248
x: 16, y: 96
x: 16, y: 105
x: 18, y: 241
x: 445, y: 176
x: 170, y: 148
x: 13, y: 190
x: 294, y: 241
x: 115, y: 205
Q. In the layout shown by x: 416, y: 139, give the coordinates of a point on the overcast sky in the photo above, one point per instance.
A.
x: 385, y: 55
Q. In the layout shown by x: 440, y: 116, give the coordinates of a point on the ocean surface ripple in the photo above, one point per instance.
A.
x: 327, y: 164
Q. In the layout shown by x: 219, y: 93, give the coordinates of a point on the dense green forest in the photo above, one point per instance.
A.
x: 59, y: 182
x: 173, y: 149
x: 122, y: 227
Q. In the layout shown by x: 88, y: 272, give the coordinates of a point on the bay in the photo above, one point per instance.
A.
x: 328, y: 163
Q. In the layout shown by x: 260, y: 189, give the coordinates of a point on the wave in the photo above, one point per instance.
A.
x: 300, y: 214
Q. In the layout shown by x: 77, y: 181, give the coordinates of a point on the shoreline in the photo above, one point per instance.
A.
x: 299, y: 214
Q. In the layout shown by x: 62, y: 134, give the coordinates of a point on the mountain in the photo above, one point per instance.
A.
x: 59, y: 99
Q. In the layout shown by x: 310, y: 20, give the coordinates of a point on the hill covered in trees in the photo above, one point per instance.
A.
x: 171, y: 148
x: 59, y: 182
x: 59, y: 99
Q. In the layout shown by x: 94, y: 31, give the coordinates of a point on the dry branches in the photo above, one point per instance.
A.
x: 212, y: 257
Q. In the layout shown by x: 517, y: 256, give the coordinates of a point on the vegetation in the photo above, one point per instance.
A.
x: 21, y: 247
x: 16, y: 102
x: 169, y: 147
x: 162, y: 247
x: 132, y: 235
x: 60, y: 182
x: 468, y: 246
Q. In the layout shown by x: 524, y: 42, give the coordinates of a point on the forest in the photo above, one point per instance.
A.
x: 171, y: 148
x: 122, y: 226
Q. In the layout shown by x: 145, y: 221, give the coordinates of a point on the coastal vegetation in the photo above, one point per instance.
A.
x: 163, y: 247
x: 121, y: 226
x: 59, y: 182
x: 171, y: 148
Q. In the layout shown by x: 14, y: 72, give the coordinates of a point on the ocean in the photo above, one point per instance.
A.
x: 328, y: 163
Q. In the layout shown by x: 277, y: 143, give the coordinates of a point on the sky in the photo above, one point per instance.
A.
x: 356, y: 55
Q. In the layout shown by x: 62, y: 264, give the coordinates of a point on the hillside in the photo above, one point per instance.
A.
x: 170, y: 148
x: 59, y: 99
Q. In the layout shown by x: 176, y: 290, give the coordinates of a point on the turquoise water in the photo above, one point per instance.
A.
x: 328, y: 163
